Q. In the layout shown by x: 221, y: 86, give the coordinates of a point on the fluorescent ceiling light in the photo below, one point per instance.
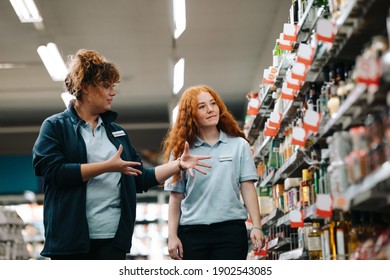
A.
x: 179, y: 17
x: 174, y: 113
x: 53, y: 61
x: 10, y: 65
x: 178, y: 76
x: 67, y: 97
x: 26, y: 10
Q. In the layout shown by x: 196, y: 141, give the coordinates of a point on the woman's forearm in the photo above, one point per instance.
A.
x: 249, y: 195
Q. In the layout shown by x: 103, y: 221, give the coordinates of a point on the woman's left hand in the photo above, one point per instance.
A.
x: 190, y: 162
x: 257, y: 238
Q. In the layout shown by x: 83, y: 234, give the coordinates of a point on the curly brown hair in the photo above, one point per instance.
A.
x: 87, y: 67
x: 185, y: 127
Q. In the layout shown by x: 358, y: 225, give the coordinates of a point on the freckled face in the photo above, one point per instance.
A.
x: 207, y: 111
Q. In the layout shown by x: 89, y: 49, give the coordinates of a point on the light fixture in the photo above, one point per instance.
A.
x: 174, y: 114
x: 53, y: 61
x: 178, y: 76
x: 26, y: 10
x: 179, y: 17
x: 67, y: 97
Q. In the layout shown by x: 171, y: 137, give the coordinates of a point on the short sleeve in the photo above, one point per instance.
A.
x: 248, y: 168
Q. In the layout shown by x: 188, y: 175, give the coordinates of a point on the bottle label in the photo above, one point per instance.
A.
x: 314, y: 243
x: 340, y: 244
x: 325, y: 245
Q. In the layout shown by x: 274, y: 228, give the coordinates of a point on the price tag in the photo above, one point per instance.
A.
x: 325, y: 30
x: 296, y: 218
x: 341, y: 201
x: 290, y: 32
x: 253, y: 106
x: 263, y: 251
x: 284, y: 44
x: 305, y: 54
x: 287, y: 93
x: 324, y: 206
x: 292, y: 83
x: 311, y: 120
x: 299, y: 71
x: 275, y: 119
x: 298, y: 136
x: 269, y: 130
x: 368, y: 70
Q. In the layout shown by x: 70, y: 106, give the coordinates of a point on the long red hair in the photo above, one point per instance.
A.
x: 185, y: 127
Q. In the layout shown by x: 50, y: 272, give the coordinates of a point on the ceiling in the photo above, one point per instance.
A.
x: 226, y: 45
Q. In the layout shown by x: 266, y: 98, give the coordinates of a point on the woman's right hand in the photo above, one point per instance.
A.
x: 117, y: 164
x: 175, y: 248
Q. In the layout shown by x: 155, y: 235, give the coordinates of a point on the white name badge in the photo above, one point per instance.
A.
x: 118, y: 133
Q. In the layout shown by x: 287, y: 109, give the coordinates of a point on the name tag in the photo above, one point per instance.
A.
x: 118, y: 133
x: 225, y: 158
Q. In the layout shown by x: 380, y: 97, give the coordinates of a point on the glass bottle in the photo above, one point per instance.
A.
x: 323, y: 182
x: 356, y: 233
x: 314, y: 242
x: 276, y: 54
x: 314, y: 170
x: 334, y: 101
x: 342, y: 231
x: 304, y: 189
x: 328, y: 240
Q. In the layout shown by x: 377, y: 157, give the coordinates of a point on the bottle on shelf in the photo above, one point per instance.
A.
x: 314, y: 171
x: 328, y: 240
x: 304, y: 189
x: 323, y: 181
x: 294, y: 12
x: 276, y: 54
x: 342, y: 231
x: 303, y: 235
x: 356, y: 233
x: 334, y: 101
x: 314, y: 242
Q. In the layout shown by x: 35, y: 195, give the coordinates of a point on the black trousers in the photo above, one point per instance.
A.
x: 100, y: 249
x: 219, y: 241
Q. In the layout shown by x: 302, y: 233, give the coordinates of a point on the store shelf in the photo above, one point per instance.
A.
x: 263, y: 148
x: 355, y: 27
x: 284, y: 220
x: 293, y: 254
x: 291, y: 167
x: 373, y: 193
x: 279, y: 243
x: 346, y: 109
x: 268, y: 179
x: 271, y: 218
x: 308, y: 21
x: 16, y: 199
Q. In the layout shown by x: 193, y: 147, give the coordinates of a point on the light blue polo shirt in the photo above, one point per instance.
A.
x: 215, y: 197
x: 103, y: 192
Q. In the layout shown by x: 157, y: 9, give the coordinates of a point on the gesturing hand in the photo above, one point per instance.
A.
x: 190, y: 162
x: 117, y: 164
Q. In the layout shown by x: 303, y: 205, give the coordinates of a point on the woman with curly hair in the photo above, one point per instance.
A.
x: 91, y: 172
x: 206, y: 214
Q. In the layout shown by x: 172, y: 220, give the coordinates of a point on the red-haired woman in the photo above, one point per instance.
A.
x: 206, y: 214
x: 90, y: 169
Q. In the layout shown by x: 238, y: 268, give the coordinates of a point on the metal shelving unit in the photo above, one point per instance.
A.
x: 373, y: 193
